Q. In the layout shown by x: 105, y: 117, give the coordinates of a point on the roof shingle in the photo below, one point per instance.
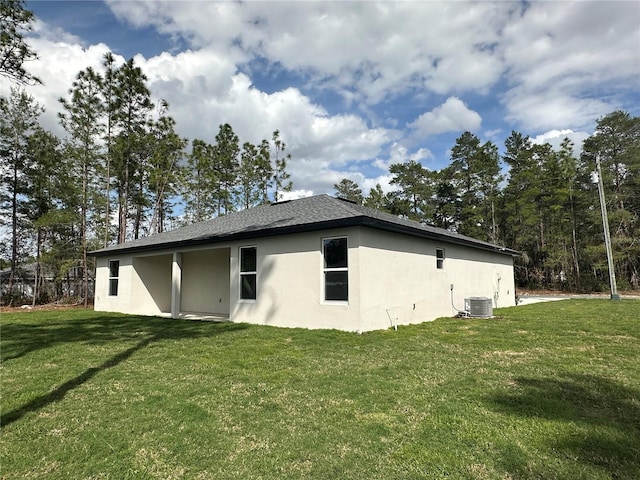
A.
x: 305, y: 214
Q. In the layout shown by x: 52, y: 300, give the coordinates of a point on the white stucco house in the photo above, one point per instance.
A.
x: 316, y: 262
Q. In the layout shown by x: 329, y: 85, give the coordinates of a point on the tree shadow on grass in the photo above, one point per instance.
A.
x: 21, y: 339
x: 609, y: 411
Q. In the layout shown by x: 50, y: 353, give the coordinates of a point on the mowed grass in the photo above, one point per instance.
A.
x: 543, y: 391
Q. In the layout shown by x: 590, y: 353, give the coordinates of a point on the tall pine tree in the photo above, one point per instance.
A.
x: 226, y: 158
x: 81, y: 119
x: 19, y: 116
x: 617, y: 143
x: 164, y: 168
x: 475, y: 175
x: 48, y: 179
x: 131, y: 115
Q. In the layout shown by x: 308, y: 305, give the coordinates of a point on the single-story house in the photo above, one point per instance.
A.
x: 315, y: 262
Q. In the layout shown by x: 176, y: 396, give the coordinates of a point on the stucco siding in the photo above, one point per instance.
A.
x: 205, y: 281
x: 477, y: 273
x: 117, y: 303
x: 401, y: 284
x: 134, y: 294
x: 102, y: 301
x: 289, y: 284
x: 153, y: 284
x: 393, y: 279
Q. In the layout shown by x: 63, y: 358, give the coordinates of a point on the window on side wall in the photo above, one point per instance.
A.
x: 114, y: 275
x: 248, y: 272
x: 336, y: 269
x: 440, y: 258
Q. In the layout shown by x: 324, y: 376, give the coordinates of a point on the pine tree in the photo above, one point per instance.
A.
x: 264, y: 169
x: 416, y: 189
x: 517, y: 209
x: 249, y: 191
x: 14, y: 51
x: 164, y: 168
x: 200, y: 181
x: 281, y: 179
x: 81, y: 120
x: 18, y: 120
x: 572, y: 215
x: 132, y: 109
x: 475, y: 175
x: 226, y: 154
x: 617, y: 143
x: 446, y: 212
x: 110, y: 102
x: 376, y: 198
x: 349, y: 190
x: 46, y: 169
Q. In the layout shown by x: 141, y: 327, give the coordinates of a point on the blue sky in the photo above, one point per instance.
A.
x: 355, y: 86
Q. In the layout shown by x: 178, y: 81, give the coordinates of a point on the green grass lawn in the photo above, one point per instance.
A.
x: 543, y: 391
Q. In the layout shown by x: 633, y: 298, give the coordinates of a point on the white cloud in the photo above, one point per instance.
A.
x: 398, y: 153
x: 556, y: 137
x: 421, y: 154
x: 549, y: 54
x: 294, y: 195
x: 550, y: 135
x: 383, y: 180
x: 54, y: 34
x: 452, y: 116
x: 493, y: 134
x: 367, y: 50
x: 568, y: 60
x: 552, y: 109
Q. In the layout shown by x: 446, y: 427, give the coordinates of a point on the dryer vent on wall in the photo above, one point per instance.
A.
x: 478, y: 307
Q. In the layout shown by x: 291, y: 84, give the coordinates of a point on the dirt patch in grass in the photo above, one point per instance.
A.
x: 43, y: 308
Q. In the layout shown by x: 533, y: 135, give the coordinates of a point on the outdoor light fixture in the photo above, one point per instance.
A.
x: 596, y: 177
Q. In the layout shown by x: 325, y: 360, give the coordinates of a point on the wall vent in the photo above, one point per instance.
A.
x: 478, y: 307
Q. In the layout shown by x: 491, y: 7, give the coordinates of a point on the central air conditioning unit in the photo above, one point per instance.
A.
x: 478, y: 307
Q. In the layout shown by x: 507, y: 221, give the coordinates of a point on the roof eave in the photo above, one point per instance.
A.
x: 417, y: 232
x: 363, y: 220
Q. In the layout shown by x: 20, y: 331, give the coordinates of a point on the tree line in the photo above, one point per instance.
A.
x: 545, y: 206
x: 117, y: 174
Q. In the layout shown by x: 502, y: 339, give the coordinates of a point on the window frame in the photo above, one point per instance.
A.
x: 326, y: 270
x: 247, y: 273
x: 113, y: 280
x: 440, y: 258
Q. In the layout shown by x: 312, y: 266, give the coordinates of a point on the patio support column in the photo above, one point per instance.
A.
x: 176, y: 284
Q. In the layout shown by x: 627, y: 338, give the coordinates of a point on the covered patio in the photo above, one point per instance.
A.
x: 193, y: 284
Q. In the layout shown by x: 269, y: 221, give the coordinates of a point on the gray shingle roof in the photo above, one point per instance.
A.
x: 306, y: 214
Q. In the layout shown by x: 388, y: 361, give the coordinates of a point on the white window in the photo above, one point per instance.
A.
x: 336, y: 269
x: 114, y: 275
x: 248, y: 272
x: 440, y: 258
